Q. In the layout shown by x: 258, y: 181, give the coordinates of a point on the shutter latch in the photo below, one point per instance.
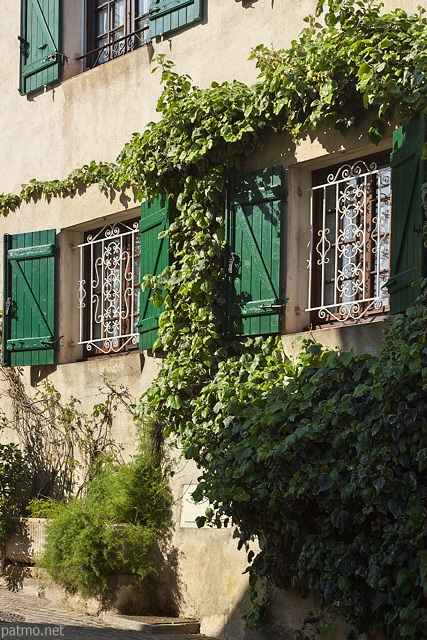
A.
x: 270, y: 306
x: 7, y: 306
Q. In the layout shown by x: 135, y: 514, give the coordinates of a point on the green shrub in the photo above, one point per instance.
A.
x: 325, y: 462
x: 13, y: 471
x: 111, y: 529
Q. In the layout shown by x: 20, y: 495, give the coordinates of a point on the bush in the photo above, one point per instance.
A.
x: 327, y: 468
x: 85, y: 543
x: 13, y: 470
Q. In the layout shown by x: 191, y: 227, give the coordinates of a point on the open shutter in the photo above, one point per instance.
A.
x: 408, y: 254
x: 154, y: 259
x: 29, y: 298
x: 40, y: 57
x: 253, y: 304
x: 168, y: 15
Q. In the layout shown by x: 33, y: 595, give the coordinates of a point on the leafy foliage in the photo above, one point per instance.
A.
x: 13, y: 471
x: 111, y: 529
x: 361, y: 59
x: 324, y: 461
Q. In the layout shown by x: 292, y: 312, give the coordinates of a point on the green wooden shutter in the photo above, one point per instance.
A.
x: 40, y: 58
x: 168, y: 15
x: 154, y: 259
x: 253, y: 304
x: 408, y: 254
x: 29, y: 298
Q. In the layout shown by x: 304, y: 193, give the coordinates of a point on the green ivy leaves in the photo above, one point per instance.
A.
x: 326, y: 470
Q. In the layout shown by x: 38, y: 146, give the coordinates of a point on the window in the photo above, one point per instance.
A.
x: 113, y: 28
x: 118, y: 26
x: 365, y: 252
x: 110, y: 312
x: 350, y: 217
x: 115, y: 315
x: 109, y: 288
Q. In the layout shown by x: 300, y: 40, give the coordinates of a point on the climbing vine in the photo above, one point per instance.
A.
x: 61, y: 442
x: 360, y: 64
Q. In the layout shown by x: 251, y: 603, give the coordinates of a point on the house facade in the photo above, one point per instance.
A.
x: 312, y: 234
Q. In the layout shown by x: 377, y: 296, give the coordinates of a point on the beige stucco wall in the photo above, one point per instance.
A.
x: 90, y: 116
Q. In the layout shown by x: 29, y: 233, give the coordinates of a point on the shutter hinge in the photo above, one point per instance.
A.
x: 54, y: 56
x: 24, y: 46
x: 270, y: 306
x: 50, y: 343
x: 7, y: 306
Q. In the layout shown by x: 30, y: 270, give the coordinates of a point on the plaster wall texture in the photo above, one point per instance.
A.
x: 83, y: 380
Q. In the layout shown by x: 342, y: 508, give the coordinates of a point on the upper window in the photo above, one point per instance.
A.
x: 113, y: 28
x: 116, y: 27
x: 350, y: 220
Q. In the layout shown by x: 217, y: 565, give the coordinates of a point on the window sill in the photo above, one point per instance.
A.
x: 365, y: 337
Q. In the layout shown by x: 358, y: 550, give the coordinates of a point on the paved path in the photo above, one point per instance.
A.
x: 24, y: 616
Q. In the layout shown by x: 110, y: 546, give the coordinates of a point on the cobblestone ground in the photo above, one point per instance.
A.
x: 24, y: 616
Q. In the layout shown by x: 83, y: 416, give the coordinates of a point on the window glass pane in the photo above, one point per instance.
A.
x: 142, y: 6
x: 102, y: 42
x: 119, y: 14
x: 142, y: 27
x: 102, y: 25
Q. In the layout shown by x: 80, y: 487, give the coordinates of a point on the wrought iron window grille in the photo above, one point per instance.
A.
x: 108, y: 289
x: 348, y: 265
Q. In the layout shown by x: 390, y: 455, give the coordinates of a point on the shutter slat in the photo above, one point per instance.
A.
x: 29, y: 285
x: 167, y: 15
x: 408, y: 259
x: 154, y: 259
x: 254, y: 237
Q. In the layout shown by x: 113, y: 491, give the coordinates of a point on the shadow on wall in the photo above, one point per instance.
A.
x: 287, y: 613
x: 164, y: 582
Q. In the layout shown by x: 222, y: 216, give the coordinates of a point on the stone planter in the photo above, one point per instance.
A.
x: 25, y: 540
